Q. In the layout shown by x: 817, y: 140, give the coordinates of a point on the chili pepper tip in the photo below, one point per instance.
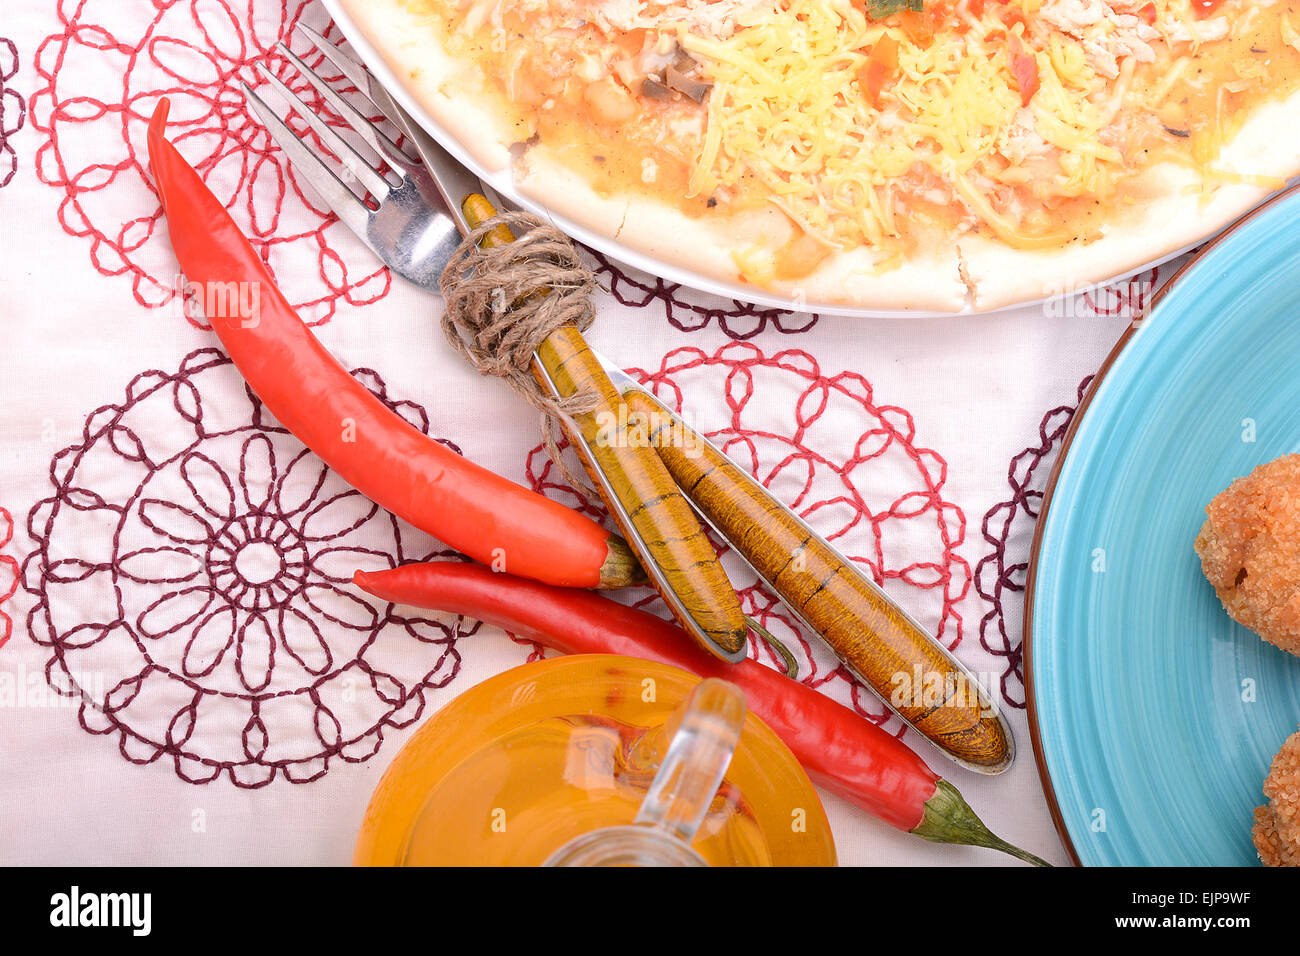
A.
x: 158, y: 122
x: 372, y: 583
x: 158, y: 144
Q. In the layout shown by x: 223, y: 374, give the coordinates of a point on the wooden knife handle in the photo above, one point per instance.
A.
x: 877, y: 641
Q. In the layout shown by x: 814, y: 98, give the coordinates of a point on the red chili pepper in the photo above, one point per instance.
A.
x: 840, y: 749
x: 1204, y: 8
x: 371, y: 447
x: 1149, y: 13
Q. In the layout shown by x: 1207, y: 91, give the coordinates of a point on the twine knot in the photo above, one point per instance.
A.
x: 504, y: 300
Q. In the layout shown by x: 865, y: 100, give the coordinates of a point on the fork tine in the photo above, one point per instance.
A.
x: 373, y: 182
x: 437, y: 187
x: 338, y: 197
x: 354, y: 71
x: 373, y: 136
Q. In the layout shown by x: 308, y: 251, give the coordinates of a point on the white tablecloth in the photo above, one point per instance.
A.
x: 916, y: 444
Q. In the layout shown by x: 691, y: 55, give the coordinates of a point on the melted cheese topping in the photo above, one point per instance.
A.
x: 789, y: 109
x: 1029, y: 119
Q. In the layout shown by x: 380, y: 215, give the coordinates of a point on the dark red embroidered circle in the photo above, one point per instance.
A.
x: 690, y: 311
x: 103, y: 73
x: 1008, y: 528
x: 1129, y: 297
x: 13, y: 110
x: 848, y: 463
x: 191, y: 577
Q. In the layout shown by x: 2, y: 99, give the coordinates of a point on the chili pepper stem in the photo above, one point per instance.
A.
x: 621, y: 568
x: 948, y: 818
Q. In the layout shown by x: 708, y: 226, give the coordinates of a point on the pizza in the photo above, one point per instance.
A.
x: 944, y: 155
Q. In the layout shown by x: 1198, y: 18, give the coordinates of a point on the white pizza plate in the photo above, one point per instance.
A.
x: 502, y: 182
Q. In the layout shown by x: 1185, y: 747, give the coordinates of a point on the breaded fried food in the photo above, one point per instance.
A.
x: 1277, y: 824
x: 1250, y: 551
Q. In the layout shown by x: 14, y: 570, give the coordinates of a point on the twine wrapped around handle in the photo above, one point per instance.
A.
x: 504, y: 300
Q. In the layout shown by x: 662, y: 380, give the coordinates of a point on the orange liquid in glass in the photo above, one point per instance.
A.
x: 524, y: 762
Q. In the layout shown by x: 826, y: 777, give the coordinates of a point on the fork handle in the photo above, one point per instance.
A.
x: 478, y: 210
x: 658, y: 522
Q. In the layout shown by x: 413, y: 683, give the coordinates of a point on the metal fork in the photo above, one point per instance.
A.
x: 389, y: 200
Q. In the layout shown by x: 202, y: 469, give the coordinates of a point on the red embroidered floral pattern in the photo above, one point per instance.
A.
x: 8, y: 574
x: 846, y: 462
x: 191, y: 580
x: 102, y: 75
x: 13, y: 111
x: 1009, y: 528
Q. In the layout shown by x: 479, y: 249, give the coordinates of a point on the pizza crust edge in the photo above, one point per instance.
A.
x: 1268, y: 144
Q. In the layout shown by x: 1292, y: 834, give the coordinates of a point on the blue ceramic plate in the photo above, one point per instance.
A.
x: 1154, y: 715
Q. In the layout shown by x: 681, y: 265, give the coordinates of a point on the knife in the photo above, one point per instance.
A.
x: 879, y: 643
